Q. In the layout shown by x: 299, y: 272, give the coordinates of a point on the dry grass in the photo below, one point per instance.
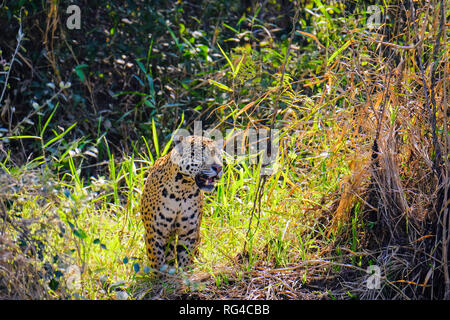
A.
x: 19, y: 278
x: 405, y: 187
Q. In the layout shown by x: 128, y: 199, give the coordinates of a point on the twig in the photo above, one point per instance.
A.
x: 431, y: 109
x: 389, y: 44
x: 441, y: 206
x: 20, y: 36
x: 283, y: 67
x: 257, y: 200
x: 442, y: 188
x: 263, y: 177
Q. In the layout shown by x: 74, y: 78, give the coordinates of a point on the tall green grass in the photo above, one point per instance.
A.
x: 103, y: 233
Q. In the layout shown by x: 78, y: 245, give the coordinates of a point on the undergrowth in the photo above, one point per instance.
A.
x: 362, y: 167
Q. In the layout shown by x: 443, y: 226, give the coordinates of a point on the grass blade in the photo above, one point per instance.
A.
x: 220, y: 85
x: 155, y: 138
x: 48, y: 120
x: 226, y: 57
x: 59, y: 136
x: 338, y: 51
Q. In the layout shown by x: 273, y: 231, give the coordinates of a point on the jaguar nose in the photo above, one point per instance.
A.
x: 217, y: 168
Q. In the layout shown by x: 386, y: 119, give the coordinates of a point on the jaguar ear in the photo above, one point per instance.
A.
x: 177, y: 139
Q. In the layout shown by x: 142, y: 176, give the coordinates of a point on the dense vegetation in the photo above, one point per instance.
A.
x: 358, y: 91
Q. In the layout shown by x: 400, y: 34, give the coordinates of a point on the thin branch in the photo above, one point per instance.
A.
x: 20, y: 36
x: 431, y: 109
x: 263, y: 177
x: 283, y: 67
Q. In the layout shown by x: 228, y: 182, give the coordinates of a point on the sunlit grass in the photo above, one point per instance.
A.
x: 95, y: 223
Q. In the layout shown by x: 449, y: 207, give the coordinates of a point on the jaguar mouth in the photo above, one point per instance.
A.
x: 205, y: 182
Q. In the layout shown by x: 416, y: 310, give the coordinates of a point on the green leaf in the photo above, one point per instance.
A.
x: 226, y: 57
x: 182, y: 28
x: 148, y: 150
x: 79, y: 71
x: 141, y: 66
x: 220, y: 85
x: 139, y: 79
x: 22, y: 137
x: 80, y: 233
x: 236, y: 71
x: 338, y: 51
x: 322, y: 9
x: 230, y: 27
x: 53, y: 284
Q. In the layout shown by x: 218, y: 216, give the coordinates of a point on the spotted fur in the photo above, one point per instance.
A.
x: 172, y: 200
